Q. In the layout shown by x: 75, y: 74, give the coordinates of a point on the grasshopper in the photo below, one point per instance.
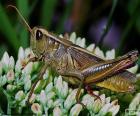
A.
x: 78, y: 66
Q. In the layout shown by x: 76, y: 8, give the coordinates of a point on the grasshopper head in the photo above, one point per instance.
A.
x: 37, y: 36
x: 38, y: 41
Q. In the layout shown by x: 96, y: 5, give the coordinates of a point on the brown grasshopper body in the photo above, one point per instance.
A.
x: 79, y: 66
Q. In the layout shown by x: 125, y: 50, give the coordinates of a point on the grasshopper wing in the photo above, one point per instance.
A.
x: 83, y: 57
x: 122, y: 82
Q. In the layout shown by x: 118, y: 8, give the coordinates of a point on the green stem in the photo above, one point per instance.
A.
x: 8, y: 99
x: 1, y: 111
x: 8, y: 109
x: 109, y: 22
x: 47, y: 11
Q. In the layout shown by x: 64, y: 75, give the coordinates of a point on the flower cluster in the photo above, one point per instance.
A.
x: 52, y: 95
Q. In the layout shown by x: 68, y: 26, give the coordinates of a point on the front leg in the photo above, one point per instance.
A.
x: 33, y: 59
x: 40, y: 77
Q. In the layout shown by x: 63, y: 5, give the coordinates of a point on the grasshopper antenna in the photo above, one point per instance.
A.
x: 23, y: 19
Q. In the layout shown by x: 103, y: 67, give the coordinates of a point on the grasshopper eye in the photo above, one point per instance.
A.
x: 39, y: 35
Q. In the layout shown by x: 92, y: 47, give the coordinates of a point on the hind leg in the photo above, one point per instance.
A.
x: 79, y: 76
x: 90, y: 91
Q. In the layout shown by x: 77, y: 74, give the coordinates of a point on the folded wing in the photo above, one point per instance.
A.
x: 122, y: 82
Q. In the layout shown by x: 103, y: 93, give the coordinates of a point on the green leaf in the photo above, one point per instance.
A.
x: 23, y: 7
x: 47, y: 11
x: 8, y: 31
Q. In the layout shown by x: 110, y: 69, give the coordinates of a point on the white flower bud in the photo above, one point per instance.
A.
x: 18, y: 66
x: 21, y: 53
x: 61, y: 36
x: 99, y: 53
x: 83, y: 43
x: 5, y: 61
x: 114, y: 109
x: 55, y: 80
x: 28, y: 68
x: 92, y: 104
x: 11, y: 62
x: 65, y: 90
x: 20, y: 95
x: 104, y: 109
x: 110, y: 54
x: 61, y: 88
x: 26, y: 80
x: 49, y: 88
x: 107, y: 100
x: 10, y: 87
x: 88, y: 101
x: 73, y: 37
x: 71, y: 99
x: 23, y: 103
x: 135, y: 102
x: 102, y: 97
x: 3, y: 80
x: 133, y: 69
x: 97, y: 105
x: 29, y: 53
x: 76, y: 109
x: 91, y: 47
x: 57, y: 111
x: 79, y: 41
x: 10, y: 76
x: 27, y: 84
x: 36, y: 108
x: 46, y: 75
x: 50, y: 103
x: 58, y: 102
x: 43, y: 98
x: 50, y: 95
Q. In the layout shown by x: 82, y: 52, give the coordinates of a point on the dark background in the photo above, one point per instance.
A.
x: 87, y: 18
